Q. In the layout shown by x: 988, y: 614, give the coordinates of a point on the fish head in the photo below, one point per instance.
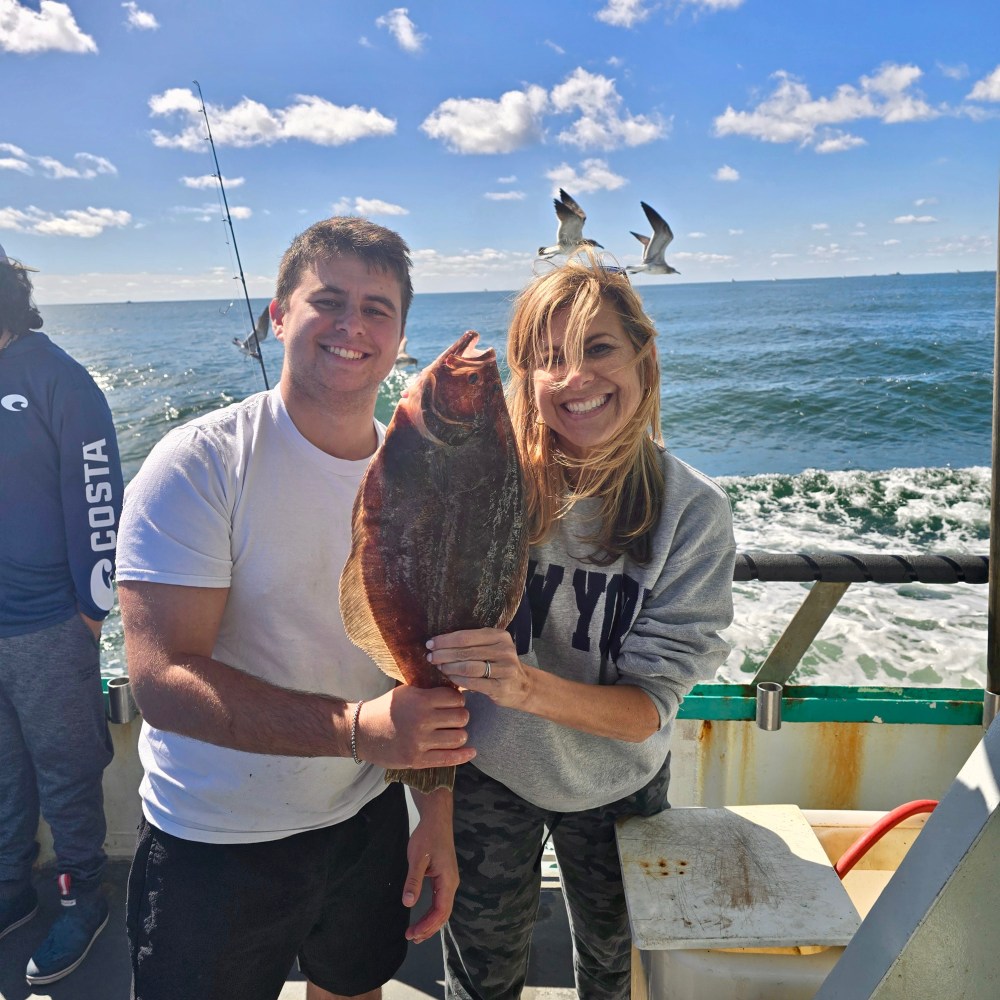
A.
x: 458, y: 393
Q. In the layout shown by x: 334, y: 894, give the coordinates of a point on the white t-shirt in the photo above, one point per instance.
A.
x: 240, y: 499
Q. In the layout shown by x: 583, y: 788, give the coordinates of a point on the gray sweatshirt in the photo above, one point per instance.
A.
x: 655, y: 626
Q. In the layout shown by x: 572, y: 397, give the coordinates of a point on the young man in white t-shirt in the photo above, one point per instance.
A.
x: 269, y: 833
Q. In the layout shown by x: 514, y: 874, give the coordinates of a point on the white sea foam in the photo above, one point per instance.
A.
x: 908, y: 634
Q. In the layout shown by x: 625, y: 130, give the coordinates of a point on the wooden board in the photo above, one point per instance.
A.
x: 739, y: 877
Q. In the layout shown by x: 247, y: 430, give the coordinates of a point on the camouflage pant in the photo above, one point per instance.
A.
x: 499, y: 838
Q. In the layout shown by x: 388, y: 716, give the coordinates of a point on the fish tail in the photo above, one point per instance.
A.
x: 424, y: 779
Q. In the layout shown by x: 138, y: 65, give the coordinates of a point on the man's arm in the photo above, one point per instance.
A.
x: 431, y: 853
x: 170, y: 633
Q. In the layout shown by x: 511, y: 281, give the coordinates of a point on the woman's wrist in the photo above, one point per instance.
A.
x: 532, y: 689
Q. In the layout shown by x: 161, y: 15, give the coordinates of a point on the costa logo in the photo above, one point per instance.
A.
x: 14, y: 402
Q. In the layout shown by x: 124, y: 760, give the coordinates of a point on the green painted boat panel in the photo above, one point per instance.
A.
x: 926, y: 706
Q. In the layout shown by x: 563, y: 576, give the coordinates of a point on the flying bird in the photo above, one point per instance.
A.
x: 248, y: 346
x: 653, y: 246
x: 569, y: 235
x: 404, y: 360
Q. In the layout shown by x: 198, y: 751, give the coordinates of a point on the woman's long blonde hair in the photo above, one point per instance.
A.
x: 626, y: 473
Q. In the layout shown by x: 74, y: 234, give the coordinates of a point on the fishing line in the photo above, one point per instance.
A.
x: 232, y: 232
x: 233, y: 264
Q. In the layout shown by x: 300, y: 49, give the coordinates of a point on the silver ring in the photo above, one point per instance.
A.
x: 489, y: 670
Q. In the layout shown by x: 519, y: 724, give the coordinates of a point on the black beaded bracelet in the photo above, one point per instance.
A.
x: 354, y: 733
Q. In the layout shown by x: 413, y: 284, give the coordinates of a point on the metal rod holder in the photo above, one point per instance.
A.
x: 991, y: 707
x: 769, y: 705
x: 121, y: 705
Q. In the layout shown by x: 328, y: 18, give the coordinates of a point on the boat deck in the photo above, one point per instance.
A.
x: 105, y: 974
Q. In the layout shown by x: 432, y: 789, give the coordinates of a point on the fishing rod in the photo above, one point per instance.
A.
x: 232, y: 232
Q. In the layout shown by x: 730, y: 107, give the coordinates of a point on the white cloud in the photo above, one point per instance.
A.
x: 964, y: 245
x: 735, y: 232
x: 484, y: 266
x: 628, y: 13
x: 594, y: 175
x: 820, y: 225
x: 791, y: 114
x: 829, y: 252
x: 511, y: 179
x: 701, y: 257
x: 891, y: 243
x: 782, y: 256
x: 925, y: 201
x: 624, y: 13
x: 399, y: 25
x: 480, y: 125
x: 210, y: 181
x: 10, y: 163
x: 558, y: 49
x: 367, y: 207
x: 364, y: 43
x: 210, y: 212
x: 483, y: 125
x: 504, y: 195
x: 250, y: 123
x: 83, y: 223
x: 601, y: 123
x: 839, y: 142
x: 88, y: 166
x: 908, y: 220
x: 987, y: 89
x: 140, y: 19
x: 51, y: 28
x: 697, y: 236
x: 726, y: 173
x: 959, y: 72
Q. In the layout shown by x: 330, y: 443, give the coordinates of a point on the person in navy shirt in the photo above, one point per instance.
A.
x: 60, y: 497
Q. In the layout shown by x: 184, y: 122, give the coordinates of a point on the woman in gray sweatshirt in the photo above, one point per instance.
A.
x: 629, y: 585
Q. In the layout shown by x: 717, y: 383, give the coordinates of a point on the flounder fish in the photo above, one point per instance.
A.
x: 439, y: 534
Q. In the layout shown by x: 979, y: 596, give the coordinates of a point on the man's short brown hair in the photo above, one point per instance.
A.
x: 346, y: 236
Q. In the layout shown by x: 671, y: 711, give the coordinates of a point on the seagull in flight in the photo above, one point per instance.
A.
x: 569, y: 235
x: 404, y: 360
x: 654, y: 246
x: 248, y: 347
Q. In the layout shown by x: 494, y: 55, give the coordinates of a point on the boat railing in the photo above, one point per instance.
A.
x: 831, y: 573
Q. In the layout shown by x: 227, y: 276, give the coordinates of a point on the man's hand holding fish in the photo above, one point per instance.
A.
x: 411, y: 727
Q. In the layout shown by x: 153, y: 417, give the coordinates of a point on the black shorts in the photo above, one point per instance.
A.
x: 219, y: 921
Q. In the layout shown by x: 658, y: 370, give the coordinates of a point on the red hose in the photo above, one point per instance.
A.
x: 871, y: 837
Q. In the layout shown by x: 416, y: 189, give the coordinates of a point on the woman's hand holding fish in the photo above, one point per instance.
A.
x: 412, y: 727
x: 431, y: 854
x: 463, y: 658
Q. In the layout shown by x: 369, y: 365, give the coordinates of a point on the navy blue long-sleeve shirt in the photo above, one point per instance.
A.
x: 60, y: 489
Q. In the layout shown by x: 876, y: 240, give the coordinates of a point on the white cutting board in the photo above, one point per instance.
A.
x: 738, y: 877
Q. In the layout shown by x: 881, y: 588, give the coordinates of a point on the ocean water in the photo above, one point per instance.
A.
x: 847, y: 414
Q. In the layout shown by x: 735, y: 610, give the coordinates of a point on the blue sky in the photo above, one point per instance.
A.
x: 779, y: 139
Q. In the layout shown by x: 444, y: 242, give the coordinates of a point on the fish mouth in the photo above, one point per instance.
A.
x: 465, y: 356
x: 585, y: 407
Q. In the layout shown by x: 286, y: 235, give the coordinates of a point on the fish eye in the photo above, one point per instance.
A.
x: 473, y: 378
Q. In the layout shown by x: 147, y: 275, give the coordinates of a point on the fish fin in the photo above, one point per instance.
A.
x: 424, y: 779
x: 355, y: 609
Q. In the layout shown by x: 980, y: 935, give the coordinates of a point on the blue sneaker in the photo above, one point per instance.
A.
x: 18, y: 909
x: 83, y: 917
